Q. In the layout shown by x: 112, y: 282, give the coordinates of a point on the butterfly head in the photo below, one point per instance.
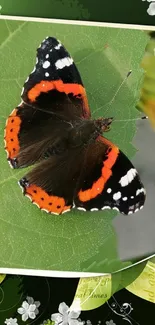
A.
x: 103, y: 124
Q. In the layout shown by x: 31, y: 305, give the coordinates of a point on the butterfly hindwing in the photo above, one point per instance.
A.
x: 51, y: 184
x: 111, y: 182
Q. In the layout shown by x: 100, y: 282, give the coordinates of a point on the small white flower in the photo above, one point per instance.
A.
x: 29, y: 309
x: 65, y: 316
x: 31, y: 301
x: 110, y: 322
x: 11, y: 321
x: 151, y: 9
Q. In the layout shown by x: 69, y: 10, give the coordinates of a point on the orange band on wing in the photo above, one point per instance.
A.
x: 106, y: 172
x: 50, y: 203
x: 45, y: 86
x: 11, y: 134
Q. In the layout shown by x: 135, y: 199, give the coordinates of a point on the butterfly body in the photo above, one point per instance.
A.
x: 52, y: 129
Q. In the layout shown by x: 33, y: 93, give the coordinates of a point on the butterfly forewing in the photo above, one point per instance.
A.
x: 53, y: 91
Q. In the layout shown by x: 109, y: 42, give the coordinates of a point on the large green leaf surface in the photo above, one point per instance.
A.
x: 30, y: 238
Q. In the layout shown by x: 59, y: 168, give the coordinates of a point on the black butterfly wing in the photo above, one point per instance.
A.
x: 108, y: 181
x: 53, y: 92
x: 55, y: 79
x: 51, y: 184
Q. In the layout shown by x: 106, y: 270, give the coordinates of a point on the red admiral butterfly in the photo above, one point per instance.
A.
x: 76, y: 165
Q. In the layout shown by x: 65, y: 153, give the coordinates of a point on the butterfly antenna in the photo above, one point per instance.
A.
x: 112, y: 100
x: 122, y: 83
x: 132, y: 119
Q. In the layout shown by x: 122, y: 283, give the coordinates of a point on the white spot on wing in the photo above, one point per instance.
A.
x: 141, y: 207
x: 55, y: 213
x: 27, y: 79
x: 22, y: 91
x: 45, y: 210
x: 21, y: 103
x: 62, y: 63
x: 115, y: 208
x: 109, y: 190
x: 140, y: 190
x: 47, y: 56
x: 117, y: 196
x: 124, y: 198
x: 57, y: 47
x: 36, y: 204
x: 130, y: 212
x: 94, y: 209
x: 7, y: 120
x: 66, y: 211
x: 80, y: 208
x: 128, y: 178
x: 34, y: 69
x: 21, y: 187
x: 46, y: 64
x: 136, y: 210
x: 10, y: 164
x: 28, y: 197
x: 13, y: 110
x: 46, y: 74
x: 6, y: 152
x: 106, y: 207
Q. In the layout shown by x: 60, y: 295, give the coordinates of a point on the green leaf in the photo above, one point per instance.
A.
x: 31, y: 238
x: 48, y: 322
x: 93, y: 292
x: 144, y: 284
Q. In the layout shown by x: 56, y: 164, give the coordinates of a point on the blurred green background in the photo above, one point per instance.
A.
x: 120, y: 11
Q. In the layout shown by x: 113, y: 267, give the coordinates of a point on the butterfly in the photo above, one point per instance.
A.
x: 52, y: 129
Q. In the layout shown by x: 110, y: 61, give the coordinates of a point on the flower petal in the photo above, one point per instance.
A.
x: 63, y: 308
x: 30, y: 300
x: 25, y: 317
x: 21, y: 310
x: 151, y: 9
x: 37, y: 303
x: 36, y: 311
x: 25, y: 305
x: 56, y: 318
x: 65, y: 322
x: 32, y: 315
x: 74, y: 314
x: 32, y: 308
